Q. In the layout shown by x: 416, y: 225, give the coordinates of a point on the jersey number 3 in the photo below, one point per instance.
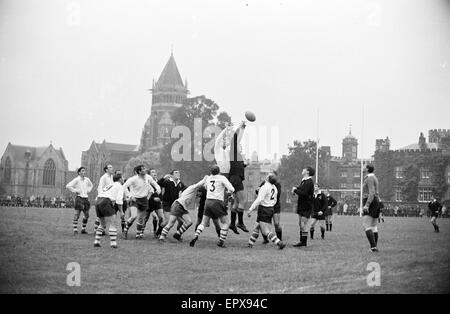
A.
x: 213, y: 187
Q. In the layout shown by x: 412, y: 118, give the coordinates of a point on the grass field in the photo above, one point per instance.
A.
x: 37, y: 244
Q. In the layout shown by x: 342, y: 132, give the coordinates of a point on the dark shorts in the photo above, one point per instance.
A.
x: 317, y: 216
x: 277, y: 209
x: 305, y: 213
x: 374, y: 208
x: 124, y: 206
x: 166, y: 207
x: 237, y: 183
x: 201, y: 210
x: 104, y: 207
x: 141, y: 204
x: 265, y: 214
x: 82, y: 204
x: 215, y: 209
x: 435, y: 215
x: 178, y: 210
x: 329, y: 212
x: 154, y: 205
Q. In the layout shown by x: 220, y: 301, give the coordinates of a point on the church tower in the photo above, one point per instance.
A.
x: 168, y: 94
x: 350, y: 147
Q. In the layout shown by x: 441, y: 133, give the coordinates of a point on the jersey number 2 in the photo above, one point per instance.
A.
x: 271, y: 197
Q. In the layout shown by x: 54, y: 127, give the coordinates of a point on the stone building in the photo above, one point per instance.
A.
x: 255, y: 173
x: 168, y: 94
x: 417, y: 172
x: 34, y: 171
x: 100, y: 154
x: 342, y: 174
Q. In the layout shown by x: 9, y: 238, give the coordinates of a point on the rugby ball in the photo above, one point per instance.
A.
x: 250, y: 116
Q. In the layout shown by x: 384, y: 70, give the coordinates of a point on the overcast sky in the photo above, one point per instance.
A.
x: 76, y: 71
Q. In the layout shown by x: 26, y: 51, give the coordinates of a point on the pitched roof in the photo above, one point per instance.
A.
x: 417, y: 146
x: 170, y: 76
x: 120, y: 147
x: 18, y: 152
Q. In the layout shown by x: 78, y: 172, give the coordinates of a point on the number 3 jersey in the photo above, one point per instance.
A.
x: 215, y: 187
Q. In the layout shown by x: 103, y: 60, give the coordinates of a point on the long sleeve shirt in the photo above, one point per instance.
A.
x: 114, y: 192
x: 80, y: 186
x: 215, y: 187
x: 188, y: 196
x: 267, y: 196
x: 222, y: 151
x: 370, y: 188
x: 305, y: 192
x: 139, y: 187
x: 105, y: 180
x: 172, y: 190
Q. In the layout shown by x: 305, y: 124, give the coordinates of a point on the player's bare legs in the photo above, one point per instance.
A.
x: 303, y: 223
x: 200, y: 228
x: 132, y: 213
x: 371, y: 229
x: 266, y: 230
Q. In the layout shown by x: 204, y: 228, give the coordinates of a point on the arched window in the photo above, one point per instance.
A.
x: 49, y: 173
x: 7, y: 174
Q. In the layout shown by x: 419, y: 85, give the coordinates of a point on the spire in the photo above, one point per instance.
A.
x: 170, y: 76
x: 350, y: 129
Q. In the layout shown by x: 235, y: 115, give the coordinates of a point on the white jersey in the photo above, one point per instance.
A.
x: 215, y: 187
x: 114, y: 192
x: 80, y: 186
x: 105, y: 181
x: 267, y: 196
x: 141, y: 187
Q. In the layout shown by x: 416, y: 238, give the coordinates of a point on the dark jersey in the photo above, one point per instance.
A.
x: 237, y: 166
x: 331, y: 201
x: 305, y: 192
x: 171, y: 190
x: 320, y: 203
x: 435, y: 208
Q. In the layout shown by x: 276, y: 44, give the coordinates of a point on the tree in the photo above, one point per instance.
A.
x: 300, y: 155
x: 148, y: 159
x: 194, y: 167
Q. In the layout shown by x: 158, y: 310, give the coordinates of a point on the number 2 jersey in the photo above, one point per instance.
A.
x: 216, y: 185
x: 267, y: 196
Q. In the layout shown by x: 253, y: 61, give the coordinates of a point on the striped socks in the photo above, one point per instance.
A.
x: 223, y: 237
x: 164, y: 233
x: 113, y: 236
x: 96, y: 223
x: 253, y: 237
x: 75, y: 225
x: 84, y: 224
x: 139, y: 231
x: 272, y: 237
x: 183, y: 228
x: 98, y: 235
